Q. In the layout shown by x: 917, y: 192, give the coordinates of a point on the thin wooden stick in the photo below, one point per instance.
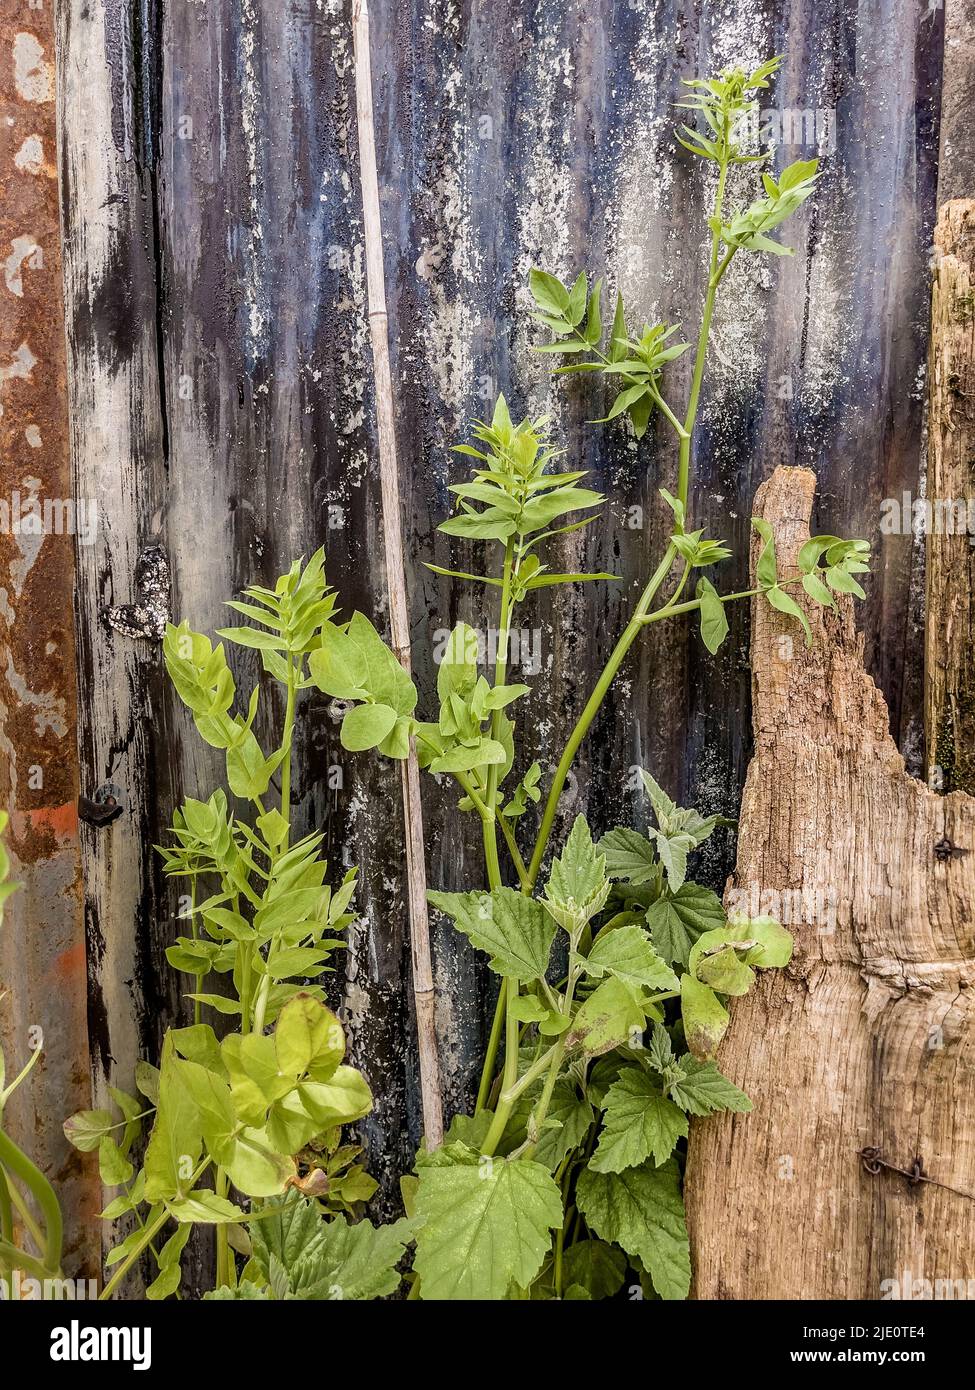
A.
x: 396, y: 578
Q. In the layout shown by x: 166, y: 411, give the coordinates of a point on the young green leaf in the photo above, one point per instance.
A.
x: 638, y: 1123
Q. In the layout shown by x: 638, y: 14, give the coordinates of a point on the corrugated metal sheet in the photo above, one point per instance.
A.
x: 222, y: 412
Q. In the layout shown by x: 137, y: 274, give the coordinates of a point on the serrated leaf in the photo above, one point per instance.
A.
x: 483, y: 1225
x: 638, y: 1123
x: 629, y: 855
x: 642, y: 1211
x: 702, y: 1089
x: 676, y: 920
x: 628, y: 953
x: 577, y: 887
x: 512, y: 928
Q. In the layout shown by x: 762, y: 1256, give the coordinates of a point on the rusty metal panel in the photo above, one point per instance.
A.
x: 42, y: 951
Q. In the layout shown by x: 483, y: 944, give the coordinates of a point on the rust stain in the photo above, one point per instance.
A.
x: 28, y: 827
x: 43, y: 941
x: 70, y: 966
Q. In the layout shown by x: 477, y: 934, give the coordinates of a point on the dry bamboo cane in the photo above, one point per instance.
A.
x: 396, y: 578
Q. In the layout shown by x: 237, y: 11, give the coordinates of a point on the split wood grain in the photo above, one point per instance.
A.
x: 867, y: 1038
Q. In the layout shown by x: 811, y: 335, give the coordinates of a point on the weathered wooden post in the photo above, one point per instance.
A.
x: 855, y: 1166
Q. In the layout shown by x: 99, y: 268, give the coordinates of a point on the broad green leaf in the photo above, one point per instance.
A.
x: 113, y: 1167
x: 174, y: 1146
x: 642, y: 1211
x: 486, y: 752
x: 629, y: 855
x: 702, y: 1089
x: 676, y: 920
x: 785, y: 603
x: 511, y: 927
x: 817, y: 590
x: 843, y: 582
x: 206, y: 1208
x: 385, y: 679
x: 86, y: 1129
x: 457, y: 672
x: 628, y: 953
x: 638, y: 1123
x: 714, y: 620
x: 705, y: 1017
x: 308, y: 1037
x: 365, y: 726
x: 610, y: 1017
x: 548, y: 293
x: 483, y: 1225
x: 477, y: 527
x: 338, y: 666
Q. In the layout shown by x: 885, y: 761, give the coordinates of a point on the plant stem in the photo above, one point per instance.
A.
x: 489, y: 823
x: 684, y: 455
x: 510, y: 1078
x: 289, y: 723
x: 494, y: 1042
x: 691, y: 605
x: 534, y: 1071
x: 17, y: 1163
x: 148, y: 1236
x: 515, y: 853
x: 223, y: 1244
x: 628, y: 637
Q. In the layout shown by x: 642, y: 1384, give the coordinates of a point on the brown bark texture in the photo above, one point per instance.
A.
x: 865, y: 1041
x: 949, y: 657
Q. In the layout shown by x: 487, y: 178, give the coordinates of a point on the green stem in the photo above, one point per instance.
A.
x: 510, y: 1077
x: 515, y: 853
x: 534, y: 1071
x: 491, y: 1055
x: 148, y: 1236
x: 691, y: 606
x: 628, y: 637
x: 16, y: 1162
x: 489, y: 824
x: 289, y: 723
x: 223, y: 1244
x: 684, y: 455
